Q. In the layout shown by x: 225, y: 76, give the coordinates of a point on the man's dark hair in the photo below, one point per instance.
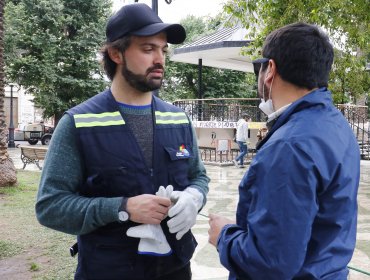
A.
x: 303, y: 54
x: 109, y: 65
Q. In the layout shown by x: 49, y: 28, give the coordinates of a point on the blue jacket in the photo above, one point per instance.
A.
x: 115, y: 167
x: 297, y: 210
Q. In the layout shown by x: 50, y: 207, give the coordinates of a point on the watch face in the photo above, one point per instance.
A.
x: 123, y: 216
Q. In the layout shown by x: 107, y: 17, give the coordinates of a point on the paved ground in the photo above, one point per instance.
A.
x: 222, y: 199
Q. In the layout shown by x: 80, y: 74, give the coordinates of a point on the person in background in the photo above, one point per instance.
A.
x: 241, y: 139
x: 297, y: 212
x: 123, y: 171
x: 262, y: 132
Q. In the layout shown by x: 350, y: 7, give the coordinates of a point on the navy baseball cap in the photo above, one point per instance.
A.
x: 140, y: 20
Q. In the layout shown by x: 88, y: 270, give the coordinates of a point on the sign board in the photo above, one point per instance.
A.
x: 220, y: 124
x: 223, y: 145
x: 214, y: 124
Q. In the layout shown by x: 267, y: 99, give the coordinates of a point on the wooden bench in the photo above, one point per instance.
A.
x: 32, y: 154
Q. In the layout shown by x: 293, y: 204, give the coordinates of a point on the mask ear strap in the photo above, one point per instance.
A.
x: 264, y: 85
x: 272, y: 82
x: 266, y: 76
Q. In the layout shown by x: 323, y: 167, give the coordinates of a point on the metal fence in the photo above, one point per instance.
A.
x: 210, y: 155
x: 232, y: 109
x: 357, y: 118
x: 221, y: 109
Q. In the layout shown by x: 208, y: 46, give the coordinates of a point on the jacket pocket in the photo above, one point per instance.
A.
x: 178, y: 167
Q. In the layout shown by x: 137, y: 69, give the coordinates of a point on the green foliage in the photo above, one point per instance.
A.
x: 182, y: 79
x: 51, y: 50
x: 348, y: 78
x: 346, y: 21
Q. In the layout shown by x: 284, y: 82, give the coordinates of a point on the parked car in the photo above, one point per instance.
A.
x: 38, y: 131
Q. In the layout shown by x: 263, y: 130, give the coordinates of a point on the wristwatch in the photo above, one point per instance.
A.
x: 123, y: 214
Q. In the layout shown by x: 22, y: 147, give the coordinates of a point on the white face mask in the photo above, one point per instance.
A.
x: 267, y: 107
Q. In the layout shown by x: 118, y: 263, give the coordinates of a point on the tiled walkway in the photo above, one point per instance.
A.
x: 222, y: 199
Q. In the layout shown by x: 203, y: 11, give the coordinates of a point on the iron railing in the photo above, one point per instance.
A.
x: 221, y: 109
x: 232, y: 109
x: 357, y: 118
x: 210, y: 155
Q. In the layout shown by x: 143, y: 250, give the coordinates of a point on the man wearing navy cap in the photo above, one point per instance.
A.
x: 123, y: 171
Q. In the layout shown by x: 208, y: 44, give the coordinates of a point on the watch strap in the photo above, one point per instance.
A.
x: 123, y: 206
x: 123, y: 214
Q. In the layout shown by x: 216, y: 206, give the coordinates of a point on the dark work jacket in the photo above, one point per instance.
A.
x: 114, y: 167
x: 297, y: 210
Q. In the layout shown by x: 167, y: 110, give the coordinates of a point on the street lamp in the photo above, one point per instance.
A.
x: 11, y: 143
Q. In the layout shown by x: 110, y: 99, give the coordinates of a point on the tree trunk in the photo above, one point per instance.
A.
x: 8, y: 174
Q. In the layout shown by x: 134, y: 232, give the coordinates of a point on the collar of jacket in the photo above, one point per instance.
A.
x: 314, y: 98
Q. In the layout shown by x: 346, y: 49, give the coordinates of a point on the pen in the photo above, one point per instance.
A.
x: 203, y: 215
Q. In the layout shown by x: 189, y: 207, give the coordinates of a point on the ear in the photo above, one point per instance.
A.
x: 271, y: 72
x: 115, y: 55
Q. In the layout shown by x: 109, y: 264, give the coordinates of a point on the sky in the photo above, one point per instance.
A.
x: 179, y: 9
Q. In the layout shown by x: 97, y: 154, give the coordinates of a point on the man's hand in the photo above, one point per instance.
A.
x: 148, y: 208
x: 152, y: 239
x: 216, y: 224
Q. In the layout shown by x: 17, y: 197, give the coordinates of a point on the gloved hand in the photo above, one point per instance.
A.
x: 152, y: 239
x: 165, y: 192
x: 184, y: 213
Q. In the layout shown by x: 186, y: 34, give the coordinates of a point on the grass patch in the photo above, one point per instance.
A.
x: 21, y: 233
x: 8, y: 249
x: 34, y: 267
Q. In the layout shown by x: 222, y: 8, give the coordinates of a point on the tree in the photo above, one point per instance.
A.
x: 348, y: 78
x: 182, y: 79
x: 7, y: 169
x: 51, y: 50
x: 346, y: 21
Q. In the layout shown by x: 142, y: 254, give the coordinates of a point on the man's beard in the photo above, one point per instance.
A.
x: 141, y: 82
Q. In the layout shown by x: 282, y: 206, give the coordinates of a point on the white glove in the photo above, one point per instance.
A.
x: 184, y: 212
x: 152, y: 239
x: 165, y: 192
